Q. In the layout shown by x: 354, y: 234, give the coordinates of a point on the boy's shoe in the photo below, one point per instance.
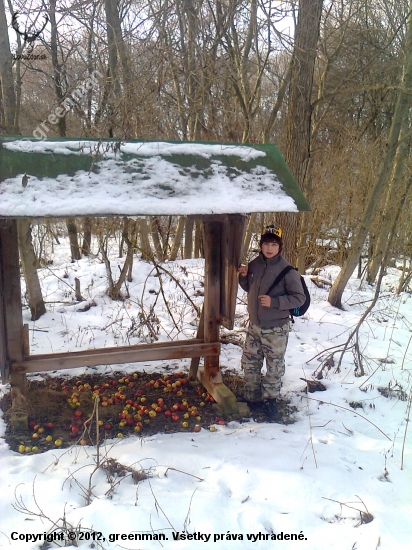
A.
x: 255, y: 406
x: 271, y: 411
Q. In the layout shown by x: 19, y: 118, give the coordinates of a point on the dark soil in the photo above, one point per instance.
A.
x: 63, y: 411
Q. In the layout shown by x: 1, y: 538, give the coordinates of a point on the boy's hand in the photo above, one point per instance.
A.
x: 264, y: 300
x: 242, y: 270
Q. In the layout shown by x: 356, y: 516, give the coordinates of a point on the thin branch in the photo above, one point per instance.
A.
x: 352, y: 411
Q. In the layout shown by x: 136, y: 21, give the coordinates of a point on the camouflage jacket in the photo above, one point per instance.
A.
x: 287, y: 295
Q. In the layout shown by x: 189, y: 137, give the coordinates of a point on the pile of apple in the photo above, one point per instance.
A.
x: 139, y: 404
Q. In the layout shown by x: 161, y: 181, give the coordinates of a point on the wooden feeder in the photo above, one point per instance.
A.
x: 215, y: 183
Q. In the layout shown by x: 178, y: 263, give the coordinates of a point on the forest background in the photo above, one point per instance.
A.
x: 329, y: 82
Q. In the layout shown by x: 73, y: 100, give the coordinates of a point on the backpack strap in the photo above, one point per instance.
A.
x: 284, y: 272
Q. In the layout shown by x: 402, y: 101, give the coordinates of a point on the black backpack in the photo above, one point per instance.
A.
x: 297, y: 311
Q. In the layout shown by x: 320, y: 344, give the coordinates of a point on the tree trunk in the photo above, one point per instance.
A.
x: 117, y: 50
x: 198, y: 240
x: 74, y: 244
x: 385, y: 171
x: 178, y: 238
x: 144, y: 239
x: 112, y: 17
x: 154, y: 231
x: 115, y: 41
x: 298, y: 128
x: 277, y: 106
x: 58, y: 77
x: 394, y: 190
x: 126, y: 271
x: 29, y: 264
x: 87, y: 236
x: 188, y: 238
x: 6, y: 76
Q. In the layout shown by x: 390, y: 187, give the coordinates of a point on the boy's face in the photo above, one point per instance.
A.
x: 270, y: 249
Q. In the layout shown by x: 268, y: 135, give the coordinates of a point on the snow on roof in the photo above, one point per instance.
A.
x: 95, y: 178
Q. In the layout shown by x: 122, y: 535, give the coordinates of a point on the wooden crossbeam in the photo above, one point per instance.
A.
x: 122, y: 354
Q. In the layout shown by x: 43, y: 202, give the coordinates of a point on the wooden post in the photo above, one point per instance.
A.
x: 13, y: 321
x: 4, y: 366
x: 212, y: 293
x: 210, y: 375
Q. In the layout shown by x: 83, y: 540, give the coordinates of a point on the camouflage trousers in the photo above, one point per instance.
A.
x: 269, y: 344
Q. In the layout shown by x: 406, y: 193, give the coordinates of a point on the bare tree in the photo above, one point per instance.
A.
x: 6, y: 75
x: 298, y: 130
x: 385, y: 170
x: 29, y: 265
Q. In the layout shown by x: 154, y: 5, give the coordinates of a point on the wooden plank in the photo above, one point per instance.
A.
x: 194, y: 363
x: 13, y: 321
x: 231, y: 250
x: 149, y: 352
x: 212, y: 231
x: 114, y: 349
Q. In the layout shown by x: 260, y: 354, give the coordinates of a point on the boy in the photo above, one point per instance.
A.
x: 269, y: 327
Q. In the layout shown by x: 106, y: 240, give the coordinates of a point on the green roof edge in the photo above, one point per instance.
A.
x: 274, y: 161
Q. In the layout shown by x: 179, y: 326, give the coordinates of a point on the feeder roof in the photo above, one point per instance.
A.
x: 86, y: 177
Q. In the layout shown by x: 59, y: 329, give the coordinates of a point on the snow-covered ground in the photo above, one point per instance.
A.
x: 311, y: 484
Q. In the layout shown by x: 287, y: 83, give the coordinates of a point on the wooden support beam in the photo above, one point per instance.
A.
x: 233, y: 231
x: 223, y: 236
x: 122, y: 354
x: 13, y: 322
x: 211, y: 304
x: 224, y: 397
